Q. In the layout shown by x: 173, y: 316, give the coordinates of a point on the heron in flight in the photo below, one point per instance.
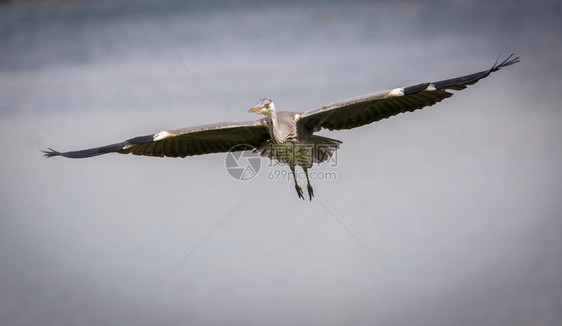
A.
x: 288, y: 136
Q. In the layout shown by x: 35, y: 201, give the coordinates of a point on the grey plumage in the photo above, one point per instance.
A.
x: 287, y: 136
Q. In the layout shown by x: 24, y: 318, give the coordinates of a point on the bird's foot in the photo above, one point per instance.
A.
x: 299, y: 191
x: 310, y: 192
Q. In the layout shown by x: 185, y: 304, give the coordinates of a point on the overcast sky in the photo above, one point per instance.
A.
x: 446, y: 216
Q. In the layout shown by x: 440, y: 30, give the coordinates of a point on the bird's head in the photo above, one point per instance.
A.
x: 264, y: 106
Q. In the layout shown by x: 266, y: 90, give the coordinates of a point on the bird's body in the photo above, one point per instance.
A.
x: 285, y: 119
x: 286, y: 136
x: 291, y: 143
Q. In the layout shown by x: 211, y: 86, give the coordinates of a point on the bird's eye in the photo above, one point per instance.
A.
x: 267, y: 105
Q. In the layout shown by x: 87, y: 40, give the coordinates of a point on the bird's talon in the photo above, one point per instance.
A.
x: 299, y: 191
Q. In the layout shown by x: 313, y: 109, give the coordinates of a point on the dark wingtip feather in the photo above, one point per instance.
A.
x: 507, y: 62
x: 461, y: 82
x: 415, y: 89
x: 49, y: 152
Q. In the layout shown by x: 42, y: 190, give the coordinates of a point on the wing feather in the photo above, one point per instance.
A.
x: 380, y: 105
x: 205, y: 139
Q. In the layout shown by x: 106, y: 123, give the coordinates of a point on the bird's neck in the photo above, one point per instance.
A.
x: 273, y: 126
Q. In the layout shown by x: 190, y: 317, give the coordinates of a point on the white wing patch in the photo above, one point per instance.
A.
x: 395, y: 92
x: 161, y: 135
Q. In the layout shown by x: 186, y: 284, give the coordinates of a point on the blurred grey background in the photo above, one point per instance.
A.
x: 460, y: 201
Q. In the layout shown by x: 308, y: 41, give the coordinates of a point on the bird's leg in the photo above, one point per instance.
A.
x: 297, y: 187
x: 308, y: 186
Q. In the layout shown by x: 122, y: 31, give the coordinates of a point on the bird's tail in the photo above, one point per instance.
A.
x: 317, y: 149
x: 324, y: 148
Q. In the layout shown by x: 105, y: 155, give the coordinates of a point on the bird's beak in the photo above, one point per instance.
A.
x: 255, y: 109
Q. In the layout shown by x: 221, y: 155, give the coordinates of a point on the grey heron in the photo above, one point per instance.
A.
x: 288, y: 136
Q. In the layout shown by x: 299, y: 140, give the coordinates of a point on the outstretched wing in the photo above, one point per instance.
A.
x: 205, y: 139
x: 373, y: 107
